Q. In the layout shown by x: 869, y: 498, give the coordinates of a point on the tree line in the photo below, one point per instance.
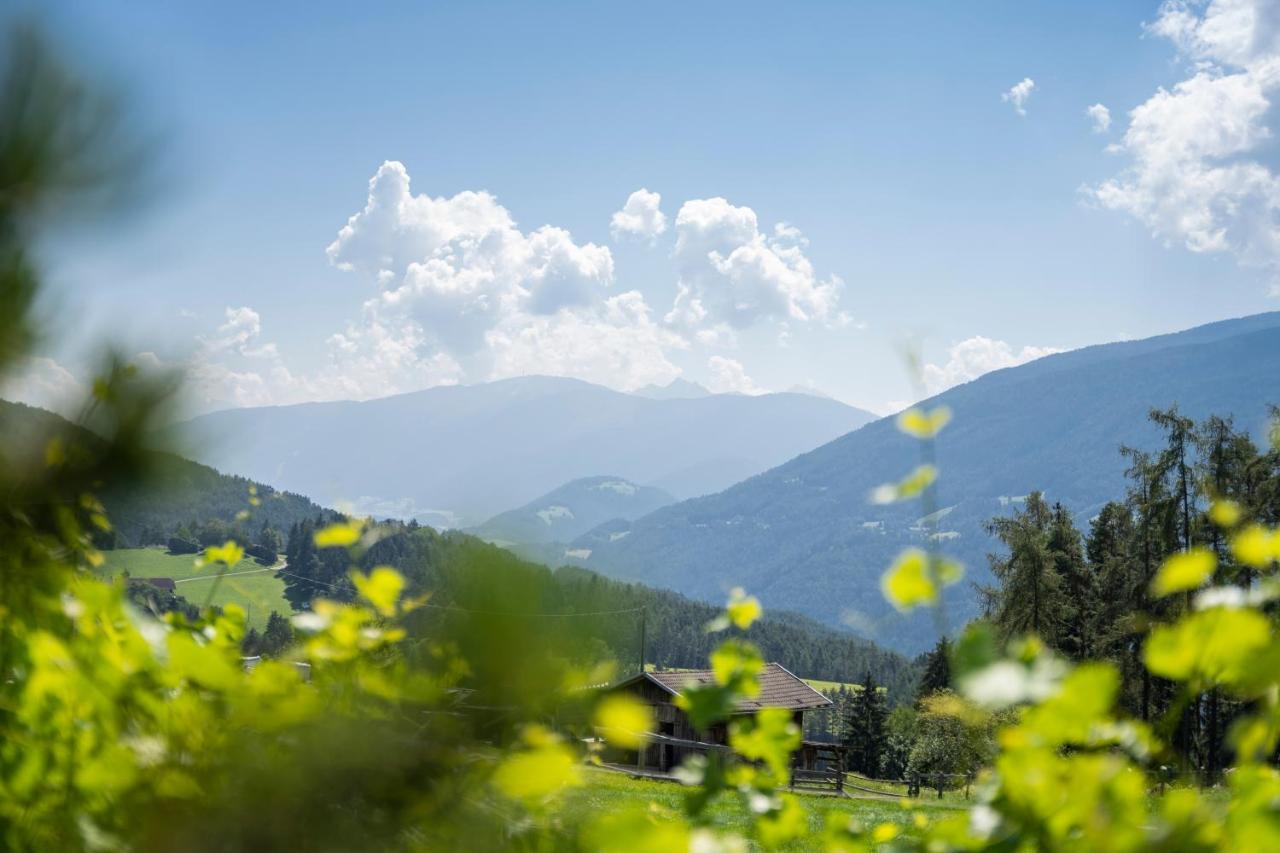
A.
x: 602, y: 619
x: 1087, y: 594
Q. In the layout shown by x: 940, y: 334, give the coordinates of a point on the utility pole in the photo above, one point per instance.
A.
x: 643, y: 615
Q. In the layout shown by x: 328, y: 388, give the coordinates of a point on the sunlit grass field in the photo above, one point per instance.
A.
x: 258, y: 593
x: 608, y: 792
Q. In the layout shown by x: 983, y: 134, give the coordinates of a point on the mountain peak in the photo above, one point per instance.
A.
x: 676, y: 389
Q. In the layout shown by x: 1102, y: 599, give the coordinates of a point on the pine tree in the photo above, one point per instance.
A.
x: 864, y: 729
x: 252, y: 643
x: 936, y: 672
x: 1029, y: 598
x: 1077, y: 583
x: 1113, y: 627
x: 277, y: 637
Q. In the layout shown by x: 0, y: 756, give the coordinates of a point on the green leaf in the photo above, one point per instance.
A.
x: 734, y: 661
x: 907, y: 584
x: 341, y: 534
x: 381, y: 588
x: 203, y: 664
x: 624, y: 721
x: 537, y: 775
x: 909, y: 487
x: 1209, y: 646
x: 742, y: 609
x: 1225, y: 513
x: 1184, y: 571
x: 770, y: 736
x: 917, y: 423
x: 228, y: 553
x: 1255, y: 546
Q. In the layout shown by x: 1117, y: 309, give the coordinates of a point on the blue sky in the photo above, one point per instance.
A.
x: 877, y: 130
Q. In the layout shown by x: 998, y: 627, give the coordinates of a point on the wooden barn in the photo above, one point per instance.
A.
x: 675, y: 737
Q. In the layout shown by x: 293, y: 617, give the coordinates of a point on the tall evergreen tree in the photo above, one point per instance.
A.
x: 1149, y: 503
x: 1029, y: 598
x: 1116, y: 631
x: 936, y: 673
x: 864, y: 729
x: 1066, y: 550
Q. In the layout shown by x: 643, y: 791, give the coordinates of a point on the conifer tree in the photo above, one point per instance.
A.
x: 936, y: 674
x: 1076, y: 582
x: 1030, y: 598
x: 864, y: 729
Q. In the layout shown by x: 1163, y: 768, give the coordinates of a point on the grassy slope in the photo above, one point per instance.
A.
x: 258, y: 593
x: 608, y: 791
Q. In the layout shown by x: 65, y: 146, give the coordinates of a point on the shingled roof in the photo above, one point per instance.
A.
x: 778, y: 688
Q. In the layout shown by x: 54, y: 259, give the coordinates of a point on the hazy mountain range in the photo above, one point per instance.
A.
x: 458, y: 455
x: 804, y: 536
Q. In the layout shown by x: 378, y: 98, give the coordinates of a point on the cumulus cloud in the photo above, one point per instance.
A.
x: 44, y: 382
x: 239, y: 333
x: 1196, y: 174
x: 975, y: 356
x: 460, y: 292
x: 1019, y: 95
x: 1100, y: 116
x: 617, y: 345
x: 641, y: 217
x: 728, y: 376
x: 730, y: 273
x: 457, y: 291
x: 459, y: 266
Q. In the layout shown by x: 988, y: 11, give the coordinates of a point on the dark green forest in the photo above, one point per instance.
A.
x: 463, y: 573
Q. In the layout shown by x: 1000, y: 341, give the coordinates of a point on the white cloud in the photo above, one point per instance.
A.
x: 641, y: 217
x: 1195, y: 175
x: 459, y: 266
x: 43, y: 382
x: 617, y: 345
x: 239, y: 334
x: 1019, y: 95
x: 459, y: 292
x: 975, y: 356
x: 730, y: 273
x: 730, y: 377
x: 1100, y: 116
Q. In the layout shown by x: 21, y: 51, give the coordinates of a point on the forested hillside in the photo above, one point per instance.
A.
x: 805, y: 536
x: 605, y: 617
x: 181, y: 496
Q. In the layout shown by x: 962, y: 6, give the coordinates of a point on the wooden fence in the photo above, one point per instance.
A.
x: 817, y: 780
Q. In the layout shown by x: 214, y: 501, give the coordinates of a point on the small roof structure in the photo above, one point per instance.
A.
x: 166, y: 584
x: 778, y: 688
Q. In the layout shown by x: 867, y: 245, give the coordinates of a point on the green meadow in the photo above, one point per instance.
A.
x: 610, y: 792
x: 255, y: 588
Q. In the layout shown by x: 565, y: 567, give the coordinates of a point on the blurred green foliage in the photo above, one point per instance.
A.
x: 391, y: 730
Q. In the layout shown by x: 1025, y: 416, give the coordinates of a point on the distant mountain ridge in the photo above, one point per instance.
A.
x: 676, y: 389
x: 804, y: 536
x: 565, y: 513
x: 457, y: 455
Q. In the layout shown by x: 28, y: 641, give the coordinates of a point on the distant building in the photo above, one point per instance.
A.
x: 165, y: 584
x: 676, y: 737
